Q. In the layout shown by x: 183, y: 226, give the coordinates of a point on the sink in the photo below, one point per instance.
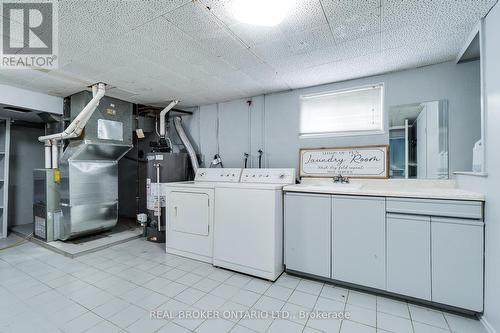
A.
x: 347, y: 186
x: 336, y: 186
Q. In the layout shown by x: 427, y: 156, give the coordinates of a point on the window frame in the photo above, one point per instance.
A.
x: 381, y: 131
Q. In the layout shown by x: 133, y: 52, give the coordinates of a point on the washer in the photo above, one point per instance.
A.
x: 248, y: 235
x: 190, y: 212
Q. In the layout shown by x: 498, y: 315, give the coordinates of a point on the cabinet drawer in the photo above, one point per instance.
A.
x: 448, y: 208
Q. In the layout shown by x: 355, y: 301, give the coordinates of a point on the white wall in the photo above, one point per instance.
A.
x: 275, y: 118
x: 491, y: 60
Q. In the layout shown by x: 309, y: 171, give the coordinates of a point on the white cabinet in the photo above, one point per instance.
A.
x: 394, y: 244
x: 457, y: 262
x: 409, y: 255
x: 307, y: 233
x: 358, y: 240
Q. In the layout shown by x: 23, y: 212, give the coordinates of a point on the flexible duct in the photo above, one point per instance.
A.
x: 76, y: 127
x: 186, y: 142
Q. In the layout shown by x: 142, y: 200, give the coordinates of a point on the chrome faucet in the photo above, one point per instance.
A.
x: 341, y: 179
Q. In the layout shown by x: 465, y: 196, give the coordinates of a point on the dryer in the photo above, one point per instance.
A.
x: 248, y: 235
x: 190, y: 212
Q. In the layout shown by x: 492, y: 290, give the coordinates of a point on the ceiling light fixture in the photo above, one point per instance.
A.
x: 268, y: 13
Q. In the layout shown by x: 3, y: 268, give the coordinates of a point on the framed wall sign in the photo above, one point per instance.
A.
x: 353, y: 162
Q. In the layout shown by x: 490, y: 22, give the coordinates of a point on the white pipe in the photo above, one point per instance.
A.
x: 48, y: 155
x: 158, y: 192
x: 407, y: 150
x: 163, y: 115
x: 186, y: 142
x: 76, y: 127
x: 55, y: 155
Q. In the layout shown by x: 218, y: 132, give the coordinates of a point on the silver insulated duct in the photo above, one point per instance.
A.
x: 89, y: 167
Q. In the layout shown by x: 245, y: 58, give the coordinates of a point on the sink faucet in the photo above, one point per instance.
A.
x: 341, y: 179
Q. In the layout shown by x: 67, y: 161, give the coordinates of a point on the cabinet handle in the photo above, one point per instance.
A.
x: 175, y: 210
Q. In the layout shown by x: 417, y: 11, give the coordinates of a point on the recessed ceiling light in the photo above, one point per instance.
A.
x: 268, y: 13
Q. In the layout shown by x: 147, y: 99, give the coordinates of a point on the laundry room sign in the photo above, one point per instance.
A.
x: 354, y: 162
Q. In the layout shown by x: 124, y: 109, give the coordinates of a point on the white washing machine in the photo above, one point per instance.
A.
x: 248, y: 235
x: 190, y: 212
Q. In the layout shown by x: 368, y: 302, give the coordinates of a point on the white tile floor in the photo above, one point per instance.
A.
x: 114, y: 290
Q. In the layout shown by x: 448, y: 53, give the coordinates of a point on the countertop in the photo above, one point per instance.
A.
x: 422, y: 189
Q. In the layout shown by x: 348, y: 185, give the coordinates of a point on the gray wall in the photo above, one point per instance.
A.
x: 272, y: 121
x: 492, y: 80
x: 26, y: 154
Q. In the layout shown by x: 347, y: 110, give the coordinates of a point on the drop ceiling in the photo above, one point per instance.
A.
x: 152, y: 51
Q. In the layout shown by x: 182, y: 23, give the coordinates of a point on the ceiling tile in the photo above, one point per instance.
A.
x: 343, y: 9
x: 57, y: 84
x: 267, y: 77
x: 164, y: 6
x: 127, y: 13
x: 212, y: 37
x: 408, y: 36
x: 347, y: 50
x: 304, y: 15
x: 151, y: 51
x: 397, y: 13
x: 335, y: 71
x: 345, y: 28
x: 311, y: 39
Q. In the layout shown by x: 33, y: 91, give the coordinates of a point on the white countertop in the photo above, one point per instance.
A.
x: 407, y: 188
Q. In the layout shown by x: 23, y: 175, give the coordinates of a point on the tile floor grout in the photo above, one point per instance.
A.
x: 92, y: 271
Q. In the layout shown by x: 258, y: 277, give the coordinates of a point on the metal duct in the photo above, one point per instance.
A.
x: 78, y: 124
x: 89, y: 167
x: 186, y: 142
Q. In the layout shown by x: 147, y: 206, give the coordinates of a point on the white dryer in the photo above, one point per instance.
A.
x: 190, y: 212
x: 248, y: 235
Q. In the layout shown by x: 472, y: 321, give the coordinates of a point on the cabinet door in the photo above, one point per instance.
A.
x: 409, y: 255
x: 307, y: 233
x: 358, y: 235
x: 457, y: 262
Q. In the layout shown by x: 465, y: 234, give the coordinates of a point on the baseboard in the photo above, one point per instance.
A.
x: 487, y: 325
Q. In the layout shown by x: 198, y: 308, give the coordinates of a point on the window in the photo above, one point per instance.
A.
x: 355, y: 111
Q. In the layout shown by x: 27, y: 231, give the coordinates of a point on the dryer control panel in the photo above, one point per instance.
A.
x: 230, y: 175
x: 268, y: 176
